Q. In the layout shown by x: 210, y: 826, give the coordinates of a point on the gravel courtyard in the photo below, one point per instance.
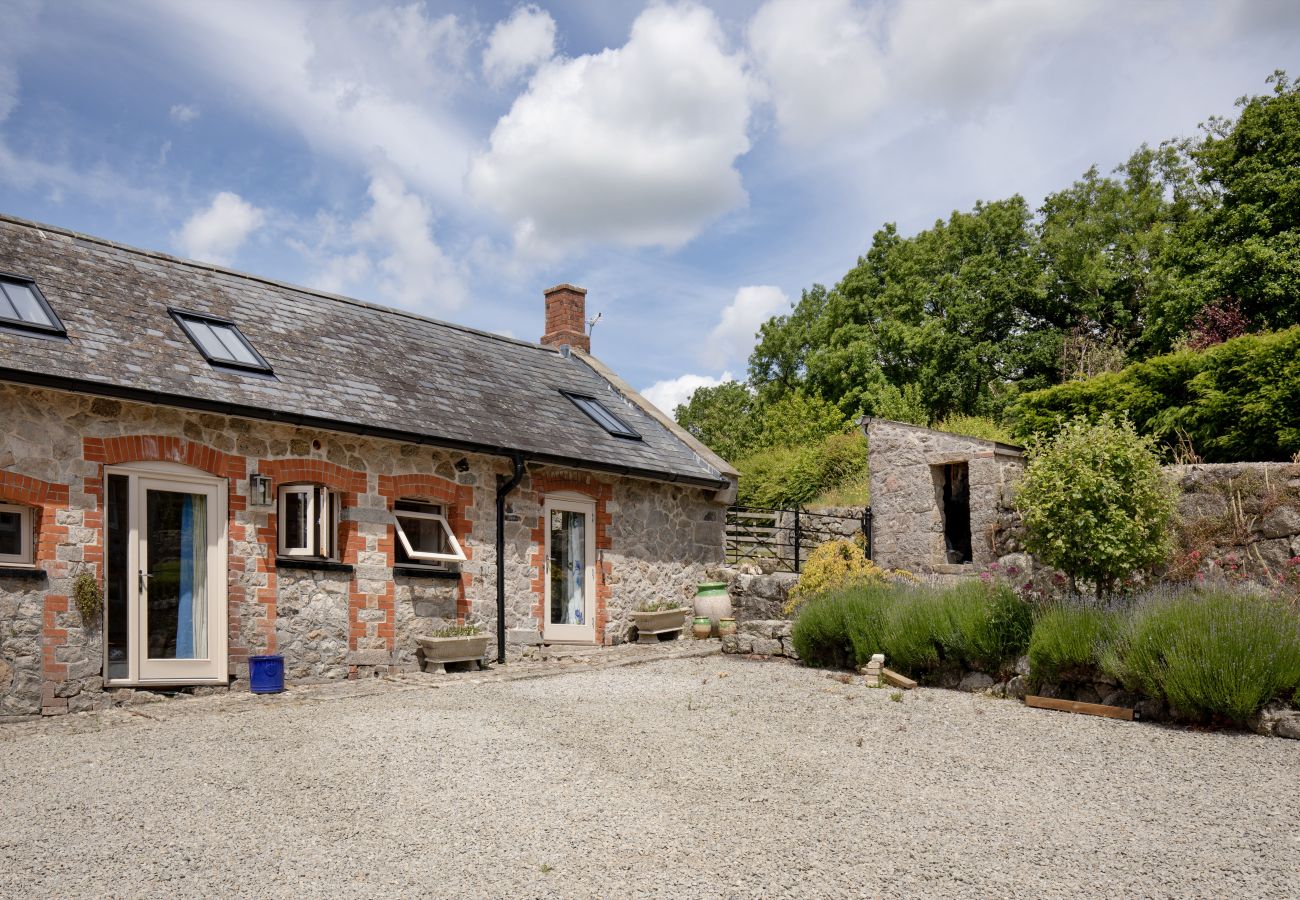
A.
x: 692, y: 777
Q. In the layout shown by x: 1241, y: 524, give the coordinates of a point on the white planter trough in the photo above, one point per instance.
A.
x: 437, y: 652
x: 652, y: 627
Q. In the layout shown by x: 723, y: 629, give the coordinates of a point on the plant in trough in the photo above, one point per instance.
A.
x: 455, y: 631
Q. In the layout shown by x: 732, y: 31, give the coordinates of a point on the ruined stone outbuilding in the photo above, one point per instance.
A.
x: 941, y: 503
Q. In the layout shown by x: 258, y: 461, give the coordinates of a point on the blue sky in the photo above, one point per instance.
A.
x: 694, y: 166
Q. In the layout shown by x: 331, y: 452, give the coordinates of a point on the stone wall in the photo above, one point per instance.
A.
x: 907, y: 501
x: 816, y: 527
x: 1239, y: 519
x: 657, y: 540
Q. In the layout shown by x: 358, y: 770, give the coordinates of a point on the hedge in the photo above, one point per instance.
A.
x: 1236, y: 401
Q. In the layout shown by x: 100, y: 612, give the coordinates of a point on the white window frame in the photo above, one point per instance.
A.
x: 24, y: 557
x: 424, y: 556
x: 323, y: 513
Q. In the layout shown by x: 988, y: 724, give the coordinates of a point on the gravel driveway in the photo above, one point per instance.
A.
x: 692, y: 777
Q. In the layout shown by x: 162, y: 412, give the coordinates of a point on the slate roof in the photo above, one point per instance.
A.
x: 338, y: 363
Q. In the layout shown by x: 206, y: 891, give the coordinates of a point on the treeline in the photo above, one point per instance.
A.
x: 1183, y: 246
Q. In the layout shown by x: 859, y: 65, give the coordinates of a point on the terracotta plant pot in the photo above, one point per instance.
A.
x: 701, y: 627
x: 711, y: 600
x: 726, y: 626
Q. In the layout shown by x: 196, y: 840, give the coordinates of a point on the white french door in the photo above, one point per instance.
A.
x: 165, y: 604
x: 570, y: 607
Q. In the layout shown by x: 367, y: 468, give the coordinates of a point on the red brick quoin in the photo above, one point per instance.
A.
x: 46, y: 499
x: 544, y: 484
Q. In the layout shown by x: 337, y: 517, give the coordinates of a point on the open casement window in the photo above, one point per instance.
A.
x: 423, y: 536
x: 15, y: 535
x: 309, y: 521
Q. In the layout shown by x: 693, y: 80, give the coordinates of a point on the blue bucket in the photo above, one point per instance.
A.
x: 266, y: 674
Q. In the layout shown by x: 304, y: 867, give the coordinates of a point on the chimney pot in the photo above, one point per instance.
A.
x: 566, y: 317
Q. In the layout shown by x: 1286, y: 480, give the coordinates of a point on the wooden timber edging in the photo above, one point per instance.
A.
x: 1075, y: 706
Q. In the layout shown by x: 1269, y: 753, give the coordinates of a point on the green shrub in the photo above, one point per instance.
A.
x: 1096, y: 503
x: 1068, y: 641
x: 1232, y: 402
x: 1211, y: 653
x: 820, y: 634
x: 916, y: 627
x: 833, y: 566
x: 975, y: 426
x: 790, y: 476
x: 989, y: 625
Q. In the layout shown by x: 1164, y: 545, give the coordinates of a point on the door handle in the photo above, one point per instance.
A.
x: 144, y: 581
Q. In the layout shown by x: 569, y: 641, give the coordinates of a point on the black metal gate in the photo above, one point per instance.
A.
x: 781, y: 539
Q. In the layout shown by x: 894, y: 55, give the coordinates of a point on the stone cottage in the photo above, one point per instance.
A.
x: 939, y: 501
x: 244, y: 467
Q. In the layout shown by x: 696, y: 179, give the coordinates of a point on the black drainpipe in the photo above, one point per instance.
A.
x: 503, y: 490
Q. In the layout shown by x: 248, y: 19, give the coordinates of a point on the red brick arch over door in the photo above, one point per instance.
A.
x: 544, y: 484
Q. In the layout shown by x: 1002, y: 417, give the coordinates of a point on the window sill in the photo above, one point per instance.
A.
x: 421, y: 572
x: 22, y: 572
x: 303, y: 562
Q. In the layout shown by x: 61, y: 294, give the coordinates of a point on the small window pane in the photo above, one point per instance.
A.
x: 7, y: 310
x: 27, y: 305
x: 234, y: 345
x: 425, y: 535
x: 606, y: 419
x: 211, y: 345
x: 11, y: 533
x: 295, y: 520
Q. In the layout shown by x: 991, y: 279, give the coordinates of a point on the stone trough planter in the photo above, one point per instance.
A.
x: 437, y: 652
x: 661, y: 624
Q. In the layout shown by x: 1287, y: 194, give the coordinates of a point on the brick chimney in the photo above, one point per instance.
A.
x: 566, y: 317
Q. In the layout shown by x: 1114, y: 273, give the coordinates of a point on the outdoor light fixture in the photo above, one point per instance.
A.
x: 259, y: 489
x: 462, y: 465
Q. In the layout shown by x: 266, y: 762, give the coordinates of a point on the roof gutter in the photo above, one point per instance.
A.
x: 141, y: 395
x: 503, y: 490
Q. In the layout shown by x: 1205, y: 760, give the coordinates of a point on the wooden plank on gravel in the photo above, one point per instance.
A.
x: 1075, y: 706
x: 900, y: 681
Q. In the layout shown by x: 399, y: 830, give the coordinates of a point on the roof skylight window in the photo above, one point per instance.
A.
x: 220, y: 341
x: 602, y: 416
x: 23, y: 306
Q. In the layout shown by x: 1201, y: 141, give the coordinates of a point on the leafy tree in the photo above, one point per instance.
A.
x: 722, y: 418
x: 796, y: 420
x: 1245, y: 243
x: 1095, y: 502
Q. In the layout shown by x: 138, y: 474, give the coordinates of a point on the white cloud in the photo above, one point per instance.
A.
x: 669, y: 394
x: 390, y: 253
x: 833, y: 66
x: 518, y: 44
x: 364, y: 85
x: 733, y: 337
x: 215, y: 234
x: 16, y: 18
x: 183, y: 112
x: 634, y: 145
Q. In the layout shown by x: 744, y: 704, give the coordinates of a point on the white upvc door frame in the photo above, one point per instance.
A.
x: 571, y: 634
x: 214, y: 668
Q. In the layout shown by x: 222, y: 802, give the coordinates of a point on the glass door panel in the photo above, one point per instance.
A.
x: 570, y: 575
x: 175, y: 577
